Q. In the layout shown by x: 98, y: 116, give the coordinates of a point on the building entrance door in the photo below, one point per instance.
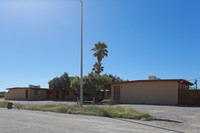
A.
x: 116, y: 92
x: 26, y: 94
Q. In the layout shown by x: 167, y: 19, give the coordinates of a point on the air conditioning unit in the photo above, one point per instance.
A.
x: 34, y: 86
x: 30, y: 86
x: 152, y: 78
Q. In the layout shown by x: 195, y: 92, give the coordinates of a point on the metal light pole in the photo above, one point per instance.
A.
x: 81, y: 82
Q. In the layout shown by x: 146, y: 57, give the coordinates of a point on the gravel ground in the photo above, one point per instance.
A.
x: 177, y: 113
x: 188, y: 116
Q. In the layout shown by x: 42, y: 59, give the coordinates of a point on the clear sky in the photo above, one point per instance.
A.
x: 40, y: 39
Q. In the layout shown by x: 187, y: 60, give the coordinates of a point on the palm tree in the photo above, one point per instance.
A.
x: 97, y: 68
x: 100, y: 52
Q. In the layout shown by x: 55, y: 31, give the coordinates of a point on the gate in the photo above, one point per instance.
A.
x: 189, y: 97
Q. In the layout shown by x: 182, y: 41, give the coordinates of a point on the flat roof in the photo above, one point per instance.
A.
x: 27, y: 88
x: 157, y: 80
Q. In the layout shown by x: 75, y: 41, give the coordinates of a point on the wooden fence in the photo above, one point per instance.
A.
x: 189, y: 97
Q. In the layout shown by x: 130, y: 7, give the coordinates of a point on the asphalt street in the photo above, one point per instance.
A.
x: 189, y: 116
x: 23, y: 121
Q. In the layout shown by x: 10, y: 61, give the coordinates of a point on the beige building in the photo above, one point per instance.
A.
x: 24, y: 93
x: 152, y: 91
x: 37, y: 93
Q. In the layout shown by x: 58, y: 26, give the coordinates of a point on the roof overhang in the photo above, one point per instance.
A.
x: 160, y: 80
x: 27, y: 88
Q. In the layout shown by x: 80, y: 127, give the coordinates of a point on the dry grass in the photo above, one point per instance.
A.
x: 104, y: 111
x: 3, y: 104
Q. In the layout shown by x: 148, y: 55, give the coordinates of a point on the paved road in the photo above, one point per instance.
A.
x: 22, y: 121
x: 189, y: 116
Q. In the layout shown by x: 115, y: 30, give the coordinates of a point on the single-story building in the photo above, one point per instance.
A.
x: 37, y: 93
x: 25, y: 93
x: 152, y: 91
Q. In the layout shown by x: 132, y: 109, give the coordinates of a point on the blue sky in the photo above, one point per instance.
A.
x: 40, y: 39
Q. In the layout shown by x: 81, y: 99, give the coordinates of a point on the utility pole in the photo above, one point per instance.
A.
x: 81, y: 82
x: 195, y: 84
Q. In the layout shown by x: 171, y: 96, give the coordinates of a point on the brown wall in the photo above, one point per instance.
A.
x: 67, y: 96
x: 17, y: 94
x: 32, y: 95
x: 52, y: 94
x: 70, y: 95
x: 6, y: 97
x: 189, y: 97
x: 20, y: 94
x: 148, y: 92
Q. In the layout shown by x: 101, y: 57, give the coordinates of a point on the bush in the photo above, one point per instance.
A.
x: 3, y: 104
x: 106, y: 111
x: 2, y: 94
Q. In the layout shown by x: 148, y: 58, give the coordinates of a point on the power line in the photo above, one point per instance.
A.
x: 194, y: 79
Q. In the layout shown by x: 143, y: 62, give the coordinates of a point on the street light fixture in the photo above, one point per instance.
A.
x: 81, y: 80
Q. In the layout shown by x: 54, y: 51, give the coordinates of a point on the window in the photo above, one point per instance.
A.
x: 180, y: 86
x: 37, y: 92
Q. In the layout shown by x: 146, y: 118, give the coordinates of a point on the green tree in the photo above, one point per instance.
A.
x: 60, y: 83
x: 54, y: 84
x: 2, y: 94
x: 75, y: 84
x: 65, y: 81
x: 97, y: 68
x: 95, y: 82
x: 115, y: 78
x: 92, y: 83
x: 101, y: 51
